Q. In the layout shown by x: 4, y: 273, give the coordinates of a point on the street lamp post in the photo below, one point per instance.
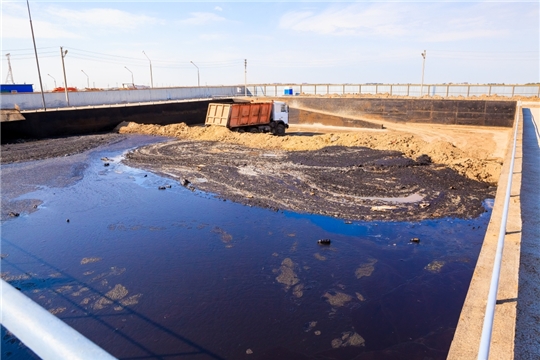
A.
x: 423, y: 66
x: 37, y: 60
x: 63, y: 54
x: 53, y: 80
x: 151, y: 77
x: 87, y: 79
x: 198, y: 78
x: 132, y: 81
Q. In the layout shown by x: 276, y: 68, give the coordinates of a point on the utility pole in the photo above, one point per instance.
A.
x: 245, y: 77
x: 53, y: 80
x: 132, y: 81
x: 423, y: 66
x: 151, y: 77
x: 198, y: 78
x: 35, y: 51
x: 63, y: 55
x: 9, y: 77
x: 87, y: 79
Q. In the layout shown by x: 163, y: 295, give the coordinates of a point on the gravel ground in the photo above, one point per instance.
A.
x: 27, y: 150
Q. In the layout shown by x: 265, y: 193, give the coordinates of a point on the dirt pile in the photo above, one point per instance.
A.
x: 470, y: 163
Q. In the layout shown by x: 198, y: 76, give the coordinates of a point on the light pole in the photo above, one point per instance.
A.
x: 151, y: 77
x: 37, y: 60
x: 63, y: 54
x: 87, y: 79
x: 423, y: 66
x: 132, y: 81
x: 245, y: 77
x: 53, y: 79
x: 198, y: 78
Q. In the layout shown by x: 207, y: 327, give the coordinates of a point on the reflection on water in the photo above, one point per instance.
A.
x: 149, y: 273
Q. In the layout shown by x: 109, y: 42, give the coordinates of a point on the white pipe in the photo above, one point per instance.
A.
x: 487, y: 328
x: 42, y: 332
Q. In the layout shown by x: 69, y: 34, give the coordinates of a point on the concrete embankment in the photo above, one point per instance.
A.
x: 466, y: 340
x: 355, y: 112
x: 87, y: 120
x: 350, y: 112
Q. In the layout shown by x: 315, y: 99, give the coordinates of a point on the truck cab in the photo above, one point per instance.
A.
x: 280, y: 112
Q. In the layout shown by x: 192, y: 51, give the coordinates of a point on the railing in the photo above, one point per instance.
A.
x: 42, y: 332
x: 485, y: 340
x: 414, y: 90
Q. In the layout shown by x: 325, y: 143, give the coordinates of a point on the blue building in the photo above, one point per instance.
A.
x: 16, y: 88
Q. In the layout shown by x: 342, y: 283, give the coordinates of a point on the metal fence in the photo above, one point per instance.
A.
x: 414, y: 90
x: 33, y: 101
x: 42, y: 332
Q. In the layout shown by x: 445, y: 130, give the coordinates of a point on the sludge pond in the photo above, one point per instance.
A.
x: 162, y: 274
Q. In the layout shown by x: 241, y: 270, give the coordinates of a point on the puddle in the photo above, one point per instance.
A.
x: 150, y: 273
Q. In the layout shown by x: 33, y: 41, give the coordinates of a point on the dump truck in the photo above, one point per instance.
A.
x: 253, y: 117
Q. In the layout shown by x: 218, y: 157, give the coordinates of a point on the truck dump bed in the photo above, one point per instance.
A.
x: 239, y: 114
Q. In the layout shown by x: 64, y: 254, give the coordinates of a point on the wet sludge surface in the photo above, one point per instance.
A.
x: 179, y: 273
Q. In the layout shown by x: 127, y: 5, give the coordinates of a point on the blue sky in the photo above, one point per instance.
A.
x: 283, y: 42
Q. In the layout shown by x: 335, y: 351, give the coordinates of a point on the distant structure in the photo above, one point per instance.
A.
x: 16, y: 88
x: 9, y: 78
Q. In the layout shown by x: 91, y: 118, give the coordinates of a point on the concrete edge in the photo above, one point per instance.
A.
x: 469, y: 329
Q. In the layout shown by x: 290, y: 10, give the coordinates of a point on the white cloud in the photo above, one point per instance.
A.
x: 201, y: 18
x: 101, y: 18
x: 218, y: 8
x: 55, y: 22
x: 424, y: 22
x: 19, y: 28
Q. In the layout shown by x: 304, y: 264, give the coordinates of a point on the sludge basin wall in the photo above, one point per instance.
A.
x: 81, y: 121
x: 361, y: 112
x: 304, y: 110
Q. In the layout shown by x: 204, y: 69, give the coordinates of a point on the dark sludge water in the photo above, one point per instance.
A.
x: 164, y: 274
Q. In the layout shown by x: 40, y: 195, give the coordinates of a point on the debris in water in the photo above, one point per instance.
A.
x: 106, y: 164
x: 309, y: 326
x: 337, y: 299
x: 185, y: 182
x: 366, y: 269
x: 435, y: 266
x: 324, y: 241
x: 14, y: 214
x: 67, y: 220
x: 348, y: 338
x: 415, y: 240
x: 249, y: 351
x: 161, y: 187
x: 287, y: 276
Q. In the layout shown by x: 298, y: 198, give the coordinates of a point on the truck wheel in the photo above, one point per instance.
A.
x: 280, y: 130
x: 254, y: 130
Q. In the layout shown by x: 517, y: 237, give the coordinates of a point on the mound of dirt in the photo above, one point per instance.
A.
x: 349, y: 182
x: 472, y: 164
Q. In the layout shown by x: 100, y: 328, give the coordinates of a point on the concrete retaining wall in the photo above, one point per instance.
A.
x: 466, y: 341
x: 33, y: 101
x: 41, y: 124
x: 437, y: 111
